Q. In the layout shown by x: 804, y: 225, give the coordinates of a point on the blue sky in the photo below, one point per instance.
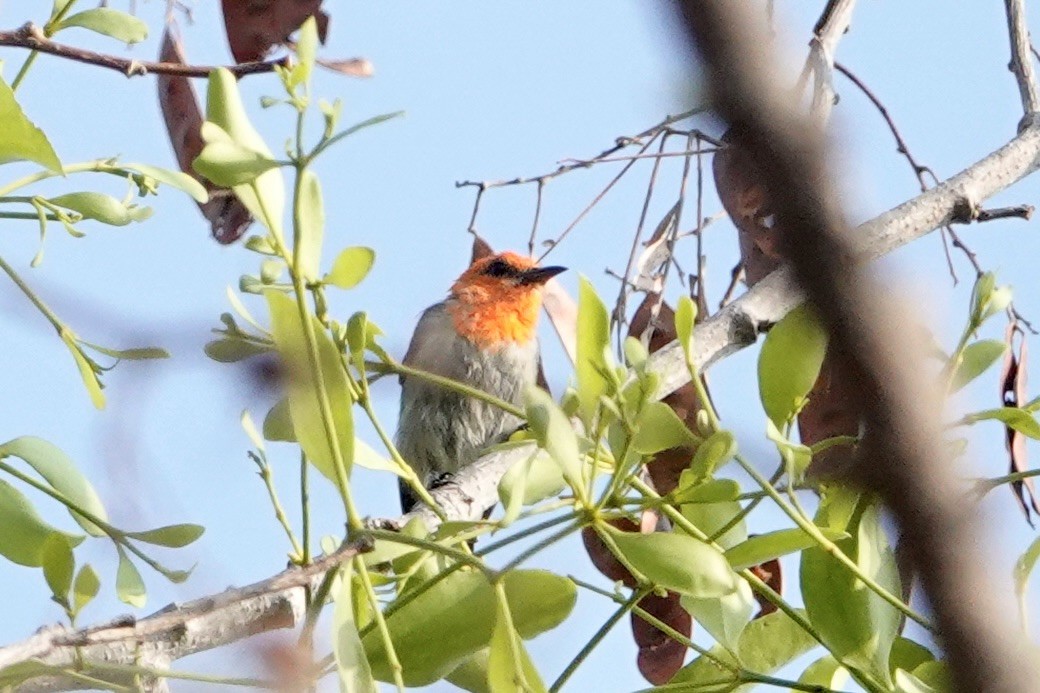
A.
x: 491, y: 90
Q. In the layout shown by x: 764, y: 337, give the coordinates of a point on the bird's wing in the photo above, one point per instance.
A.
x: 432, y: 344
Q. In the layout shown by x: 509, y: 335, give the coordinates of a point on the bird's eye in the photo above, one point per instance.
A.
x: 500, y: 268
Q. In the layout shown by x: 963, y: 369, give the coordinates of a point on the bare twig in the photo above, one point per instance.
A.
x: 830, y: 27
x: 1017, y: 212
x: 32, y: 37
x: 1021, y: 62
x: 905, y: 465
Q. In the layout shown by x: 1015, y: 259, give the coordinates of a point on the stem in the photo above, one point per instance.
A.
x: 305, y: 507
x: 514, y: 646
x: 279, y: 511
x: 523, y: 534
x: 407, y: 473
x: 427, y: 545
x: 456, y: 386
x: 53, y: 319
x: 595, y: 640
x: 544, y: 543
x: 380, y: 620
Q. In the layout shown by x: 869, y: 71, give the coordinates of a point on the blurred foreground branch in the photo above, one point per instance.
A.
x: 903, y: 452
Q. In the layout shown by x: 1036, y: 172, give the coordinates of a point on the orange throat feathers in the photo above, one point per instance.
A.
x: 491, y: 315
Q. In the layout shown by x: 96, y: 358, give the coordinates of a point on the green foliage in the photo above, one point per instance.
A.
x: 433, y: 633
x: 677, y: 562
x: 789, y: 363
x: 109, y: 22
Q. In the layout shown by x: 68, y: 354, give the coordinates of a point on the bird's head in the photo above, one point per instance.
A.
x: 496, y: 300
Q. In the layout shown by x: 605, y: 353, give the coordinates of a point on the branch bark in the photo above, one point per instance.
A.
x: 903, y: 456
x: 1022, y: 60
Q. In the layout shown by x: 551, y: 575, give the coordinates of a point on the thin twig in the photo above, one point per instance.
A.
x: 1021, y: 64
x: 32, y: 37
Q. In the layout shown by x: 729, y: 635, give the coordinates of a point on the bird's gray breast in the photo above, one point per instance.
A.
x: 441, y: 430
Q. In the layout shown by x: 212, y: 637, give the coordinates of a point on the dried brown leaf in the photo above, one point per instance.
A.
x: 1013, y: 393
x: 254, y: 27
x: 352, y: 67
x: 660, y: 655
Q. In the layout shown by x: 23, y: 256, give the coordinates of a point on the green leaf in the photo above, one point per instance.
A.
x: 101, y: 207
x: 685, y: 318
x: 692, y: 489
x: 528, y: 481
x: 229, y: 163
x: 765, y: 547
x: 135, y: 354
x: 129, y: 585
x: 25, y: 533
x: 592, y: 349
x: 710, y: 518
x: 278, y: 423
x: 554, y: 433
x: 84, y: 588
x: 724, y: 617
x: 908, y: 683
x: 232, y: 350
x: 854, y: 622
x: 907, y: 654
x: 677, y: 562
x: 635, y: 353
x: 659, y: 428
x: 20, y: 139
x: 504, y: 676
x: 175, y: 179
x: 355, y: 675
x: 306, y: 50
x: 766, y: 644
x: 264, y: 197
x: 789, y: 364
x: 472, y: 674
x: 438, y: 630
x: 311, y: 225
x: 1019, y: 419
x: 305, y: 407
x: 105, y: 20
x: 712, y: 453
x: 350, y: 267
x: 60, y: 472
x: 365, y: 456
x: 975, y: 360
x: 173, y: 536
x: 58, y: 566
x: 987, y: 299
x: 825, y: 672
x: 1024, y: 566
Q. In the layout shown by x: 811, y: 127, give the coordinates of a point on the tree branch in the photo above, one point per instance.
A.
x: 904, y: 454
x: 32, y: 37
x: 830, y: 27
x: 1021, y: 60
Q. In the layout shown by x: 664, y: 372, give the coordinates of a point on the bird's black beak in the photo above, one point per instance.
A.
x: 540, y: 275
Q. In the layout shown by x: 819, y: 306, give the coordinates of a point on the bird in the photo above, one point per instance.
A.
x: 484, y: 335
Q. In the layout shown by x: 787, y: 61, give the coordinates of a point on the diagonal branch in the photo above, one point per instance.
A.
x: 905, y: 461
